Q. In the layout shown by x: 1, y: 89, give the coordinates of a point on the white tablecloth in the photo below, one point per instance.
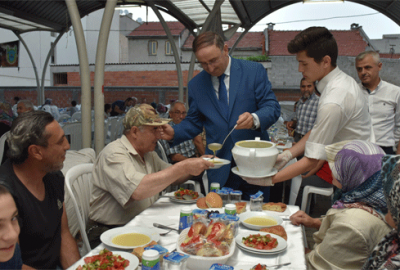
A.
x: 167, y: 213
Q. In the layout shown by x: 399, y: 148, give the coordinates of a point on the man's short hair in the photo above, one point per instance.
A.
x: 317, y: 42
x: 207, y: 39
x: 73, y: 103
x: 176, y: 102
x: 303, y: 79
x: 26, y: 130
x: 128, y: 99
x: 374, y: 55
x: 27, y: 103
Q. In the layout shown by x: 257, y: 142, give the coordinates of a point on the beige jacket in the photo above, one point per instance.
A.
x: 345, y: 239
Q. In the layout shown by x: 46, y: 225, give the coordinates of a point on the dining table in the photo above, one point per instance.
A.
x: 167, y: 212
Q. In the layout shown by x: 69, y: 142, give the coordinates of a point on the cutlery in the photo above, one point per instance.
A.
x: 279, y: 265
x: 163, y: 234
x: 164, y: 227
x: 218, y: 145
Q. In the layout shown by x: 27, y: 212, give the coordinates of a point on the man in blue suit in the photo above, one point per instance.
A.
x: 227, y: 92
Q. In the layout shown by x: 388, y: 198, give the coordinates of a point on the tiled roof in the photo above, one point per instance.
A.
x: 151, y: 29
x: 252, y: 40
x: 388, y: 55
x: 350, y: 42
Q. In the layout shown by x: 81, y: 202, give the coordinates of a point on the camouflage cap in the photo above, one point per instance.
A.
x: 143, y: 115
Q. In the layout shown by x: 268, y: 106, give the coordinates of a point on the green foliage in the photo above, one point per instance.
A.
x: 258, y: 58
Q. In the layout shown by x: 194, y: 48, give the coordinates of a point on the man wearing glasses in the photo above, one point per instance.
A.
x: 188, y: 149
x: 227, y: 92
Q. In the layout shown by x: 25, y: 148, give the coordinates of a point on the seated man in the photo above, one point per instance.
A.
x: 118, y: 107
x: 128, y: 175
x: 35, y: 157
x: 187, y: 149
x: 24, y: 106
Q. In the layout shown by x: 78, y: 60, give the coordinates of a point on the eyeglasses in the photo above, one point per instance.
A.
x: 213, y: 62
x: 179, y: 112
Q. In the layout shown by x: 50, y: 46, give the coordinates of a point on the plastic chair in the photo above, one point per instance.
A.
x: 64, y: 118
x: 3, y: 139
x: 120, y: 127
x: 79, y: 187
x: 309, y: 190
x: 77, y: 116
x: 73, y: 131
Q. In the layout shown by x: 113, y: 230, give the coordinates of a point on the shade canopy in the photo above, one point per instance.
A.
x: 35, y: 15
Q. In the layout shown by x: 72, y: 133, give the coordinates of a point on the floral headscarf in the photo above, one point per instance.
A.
x: 386, y: 253
x: 357, y: 168
x: 6, y: 114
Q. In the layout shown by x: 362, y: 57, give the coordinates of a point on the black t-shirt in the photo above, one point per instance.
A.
x: 40, y: 236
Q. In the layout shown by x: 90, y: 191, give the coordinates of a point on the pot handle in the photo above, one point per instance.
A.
x: 252, y: 153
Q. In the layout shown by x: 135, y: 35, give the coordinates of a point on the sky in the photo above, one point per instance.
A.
x: 337, y: 16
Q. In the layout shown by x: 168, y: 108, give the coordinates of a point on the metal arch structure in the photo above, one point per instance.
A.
x: 22, y: 16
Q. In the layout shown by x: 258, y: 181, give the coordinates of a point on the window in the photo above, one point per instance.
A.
x: 153, y: 47
x: 60, y: 78
x: 168, y: 49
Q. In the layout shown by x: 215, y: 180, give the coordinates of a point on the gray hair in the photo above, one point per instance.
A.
x: 374, y: 55
x: 175, y: 102
x: 27, y: 103
x: 26, y: 130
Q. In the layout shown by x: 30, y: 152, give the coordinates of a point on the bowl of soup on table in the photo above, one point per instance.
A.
x: 255, y: 157
x: 259, y: 220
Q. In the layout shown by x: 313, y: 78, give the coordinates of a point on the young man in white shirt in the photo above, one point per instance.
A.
x: 383, y: 101
x: 342, y: 109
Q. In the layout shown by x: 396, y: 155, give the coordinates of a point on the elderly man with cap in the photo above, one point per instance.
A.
x: 128, y: 175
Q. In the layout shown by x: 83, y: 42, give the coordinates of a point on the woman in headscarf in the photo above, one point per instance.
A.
x: 386, y: 254
x: 355, y: 223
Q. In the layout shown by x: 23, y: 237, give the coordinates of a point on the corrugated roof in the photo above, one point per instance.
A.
x: 151, y: 29
x: 350, y: 43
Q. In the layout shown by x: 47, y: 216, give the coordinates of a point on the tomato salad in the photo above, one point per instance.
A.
x: 257, y: 241
x: 187, y: 193
x: 105, y: 260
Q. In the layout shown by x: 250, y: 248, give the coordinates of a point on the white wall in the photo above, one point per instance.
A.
x: 39, y: 45
x: 66, y: 52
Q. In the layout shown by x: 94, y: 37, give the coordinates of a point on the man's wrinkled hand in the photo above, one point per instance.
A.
x: 167, y: 132
x: 265, y: 181
x: 195, y: 166
x: 245, y: 121
x: 283, y: 159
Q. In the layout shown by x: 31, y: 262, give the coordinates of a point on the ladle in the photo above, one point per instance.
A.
x: 217, y: 146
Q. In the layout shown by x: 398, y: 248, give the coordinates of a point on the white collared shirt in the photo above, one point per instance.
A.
x: 215, y: 83
x: 342, y: 114
x: 384, y: 108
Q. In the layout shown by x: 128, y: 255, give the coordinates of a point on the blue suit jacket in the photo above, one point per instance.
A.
x: 249, y: 91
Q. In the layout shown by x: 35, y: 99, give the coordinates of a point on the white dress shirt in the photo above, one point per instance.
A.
x: 384, y: 108
x: 342, y: 114
x: 215, y: 83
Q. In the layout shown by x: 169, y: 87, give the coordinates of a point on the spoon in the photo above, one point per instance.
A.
x: 164, y: 227
x: 217, y: 146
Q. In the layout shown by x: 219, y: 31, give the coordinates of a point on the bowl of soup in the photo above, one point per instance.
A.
x: 259, y: 220
x: 255, y: 157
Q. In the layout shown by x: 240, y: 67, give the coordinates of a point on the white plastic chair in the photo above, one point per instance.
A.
x: 73, y: 131
x: 47, y: 108
x: 310, y: 190
x: 79, y: 186
x: 76, y: 116
x: 64, y: 118
x: 55, y: 112
x: 120, y: 127
x: 3, y: 139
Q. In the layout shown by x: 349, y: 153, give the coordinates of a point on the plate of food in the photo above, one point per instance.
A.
x: 259, y: 220
x: 128, y: 237
x: 106, y: 258
x: 218, y: 162
x: 261, y: 242
x: 185, y: 196
x: 278, y: 208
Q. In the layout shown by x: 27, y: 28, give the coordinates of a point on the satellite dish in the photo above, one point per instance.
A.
x: 139, y: 20
x: 126, y: 12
